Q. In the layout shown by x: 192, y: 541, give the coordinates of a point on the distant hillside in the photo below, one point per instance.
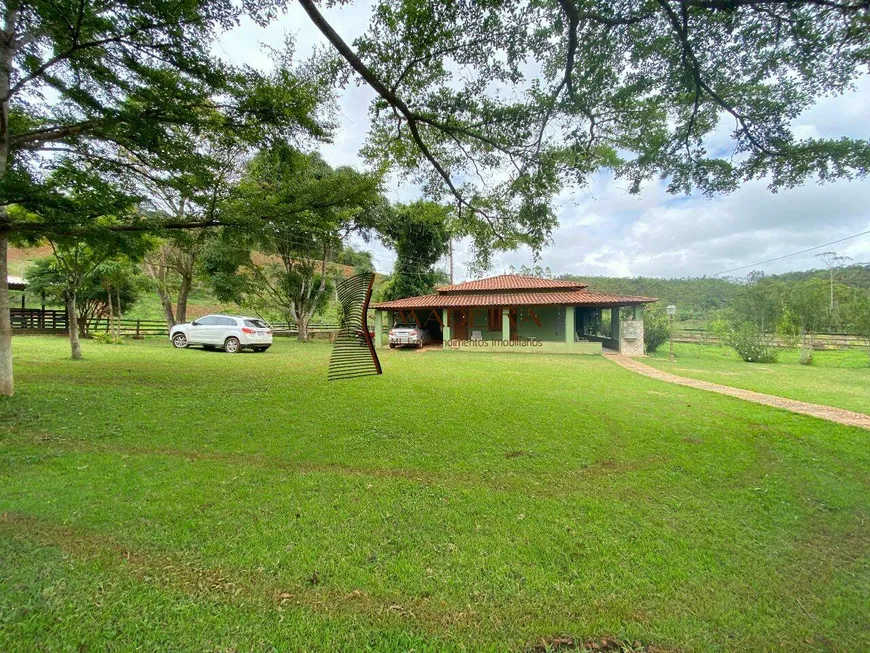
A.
x: 20, y: 258
x: 695, y: 297
x: 857, y: 276
x: 698, y: 297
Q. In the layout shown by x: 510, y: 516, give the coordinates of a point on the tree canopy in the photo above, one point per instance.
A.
x: 290, y: 213
x: 503, y: 104
x: 419, y: 234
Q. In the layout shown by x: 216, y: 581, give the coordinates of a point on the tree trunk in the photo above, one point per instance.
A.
x: 807, y: 342
x: 118, y: 322
x: 183, y: 292
x: 73, y: 318
x: 6, y: 380
x: 6, y: 54
x: 111, y: 313
x: 302, y: 327
x: 168, y: 308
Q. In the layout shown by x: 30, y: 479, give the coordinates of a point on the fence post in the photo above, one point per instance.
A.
x: 137, y: 328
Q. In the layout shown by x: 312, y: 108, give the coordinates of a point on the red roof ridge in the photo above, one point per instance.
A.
x: 512, y: 282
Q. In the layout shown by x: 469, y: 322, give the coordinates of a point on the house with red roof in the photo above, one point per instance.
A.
x: 513, y: 312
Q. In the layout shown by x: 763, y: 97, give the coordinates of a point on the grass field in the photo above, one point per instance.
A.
x: 156, y: 499
x: 836, y: 378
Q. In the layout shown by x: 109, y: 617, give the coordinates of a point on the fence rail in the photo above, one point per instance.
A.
x: 284, y: 327
x: 133, y: 328
x: 822, y: 340
x: 34, y: 319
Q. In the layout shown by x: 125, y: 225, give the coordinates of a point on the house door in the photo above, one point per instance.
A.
x: 459, y: 324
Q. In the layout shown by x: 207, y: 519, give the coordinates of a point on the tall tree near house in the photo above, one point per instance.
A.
x: 501, y: 104
x: 807, y: 309
x: 171, y: 267
x: 832, y: 261
x: 197, y: 195
x: 759, y: 301
x: 419, y: 234
x: 109, y: 82
x: 291, y: 213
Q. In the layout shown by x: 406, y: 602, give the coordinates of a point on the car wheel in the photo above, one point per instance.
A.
x: 392, y: 345
x: 420, y: 345
x: 232, y: 346
x: 179, y: 340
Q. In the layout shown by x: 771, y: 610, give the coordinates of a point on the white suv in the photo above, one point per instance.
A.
x: 232, y: 333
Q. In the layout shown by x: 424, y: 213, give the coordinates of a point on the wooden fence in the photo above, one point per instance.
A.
x: 37, y: 320
x: 135, y: 328
x: 822, y: 340
x: 34, y: 320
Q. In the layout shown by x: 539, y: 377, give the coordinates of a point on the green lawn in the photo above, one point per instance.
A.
x: 157, y: 499
x: 836, y: 378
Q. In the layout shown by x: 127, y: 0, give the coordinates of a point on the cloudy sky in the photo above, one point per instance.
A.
x: 603, y: 229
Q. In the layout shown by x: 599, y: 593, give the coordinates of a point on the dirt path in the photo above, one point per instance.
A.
x: 839, y: 415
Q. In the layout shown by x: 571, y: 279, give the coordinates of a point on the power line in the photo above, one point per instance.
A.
x: 803, y: 251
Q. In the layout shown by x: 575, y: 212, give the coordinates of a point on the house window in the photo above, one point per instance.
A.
x: 495, y: 319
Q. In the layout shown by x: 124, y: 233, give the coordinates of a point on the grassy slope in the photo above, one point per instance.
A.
x: 836, y: 378
x: 200, y: 501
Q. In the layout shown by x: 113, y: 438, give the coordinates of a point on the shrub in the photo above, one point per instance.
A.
x: 750, y: 343
x: 655, y: 330
x: 108, y: 338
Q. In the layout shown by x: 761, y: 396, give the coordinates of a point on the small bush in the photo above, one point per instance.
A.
x: 108, y: 338
x: 806, y: 356
x: 655, y: 330
x: 751, y: 343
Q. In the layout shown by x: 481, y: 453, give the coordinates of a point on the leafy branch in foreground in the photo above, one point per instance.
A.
x: 501, y: 106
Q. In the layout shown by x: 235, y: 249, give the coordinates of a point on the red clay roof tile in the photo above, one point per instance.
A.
x: 569, y: 297
x: 512, y: 282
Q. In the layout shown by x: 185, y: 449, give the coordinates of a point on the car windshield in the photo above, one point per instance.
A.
x: 256, y: 324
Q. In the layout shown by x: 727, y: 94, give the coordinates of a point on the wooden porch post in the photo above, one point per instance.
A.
x: 379, y: 329
x: 570, y: 329
x: 615, y: 327
x: 445, y: 329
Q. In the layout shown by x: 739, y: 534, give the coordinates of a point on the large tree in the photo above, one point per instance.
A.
x: 102, y: 279
x: 504, y: 103
x: 292, y: 211
x: 195, y: 196
x: 79, y: 201
x: 112, y: 84
x: 419, y: 234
